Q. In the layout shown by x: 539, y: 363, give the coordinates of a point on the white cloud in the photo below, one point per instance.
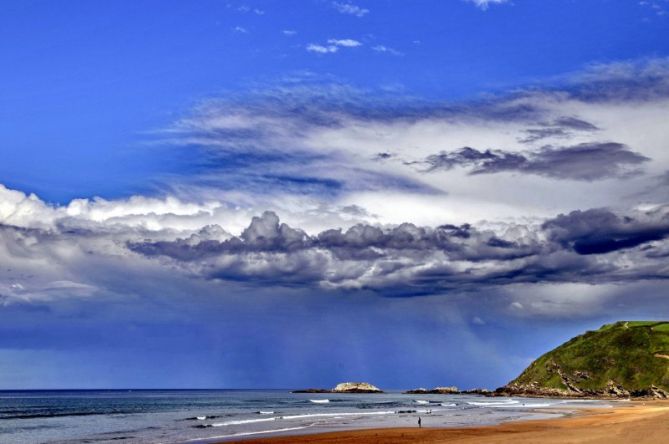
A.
x: 560, y: 299
x: 478, y: 321
x: 516, y: 305
x: 288, y: 32
x: 484, y: 4
x: 331, y: 139
x: 240, y: 29
x: 350, y: 8
x: 344, y: 148
x: 320, y: 49
x: 246, y: 9
x: 332, y: 46
x: 346, y: 43
x: 386, y: 49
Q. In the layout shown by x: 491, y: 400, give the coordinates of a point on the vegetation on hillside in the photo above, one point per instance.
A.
x: 631, y: 356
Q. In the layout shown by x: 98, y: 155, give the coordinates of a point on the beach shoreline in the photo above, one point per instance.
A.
x: 637, y: 421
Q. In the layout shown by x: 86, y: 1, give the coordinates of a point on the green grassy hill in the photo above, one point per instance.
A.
x: 621, y: 359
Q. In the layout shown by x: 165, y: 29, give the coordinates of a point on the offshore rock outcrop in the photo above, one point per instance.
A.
x: 435, y: 391
x: 345, y: 387
x: 356, y: 387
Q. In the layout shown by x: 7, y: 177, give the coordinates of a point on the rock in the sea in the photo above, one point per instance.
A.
x: 435, y: 391
x: 477, y: 391
x: 344, y: 387
x: 418, y: 391
x: 356, y: 387
x: 312, y: 390
x: 445, y: 390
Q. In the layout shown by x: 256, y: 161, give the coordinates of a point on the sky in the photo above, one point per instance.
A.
x: 285, y: 194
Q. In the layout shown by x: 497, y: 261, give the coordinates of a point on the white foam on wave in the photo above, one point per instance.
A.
x: 494, y: 403
x: 266, y: 412
x: 444, y: 404
x: 303, y: 416
x: 259, y: 432
x: 200, y: 418
x: 319, y: 401
x: 526, y: 406
x: 243, y: 421
x: 421, y: 401
x: 334, y: 415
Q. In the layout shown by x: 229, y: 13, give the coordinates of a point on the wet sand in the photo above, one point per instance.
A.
x: 638, y: 423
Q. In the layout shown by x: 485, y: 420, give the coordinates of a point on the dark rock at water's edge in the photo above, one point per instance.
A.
x: 449, y: 391
x: 435, y: 391
x: 312, y: 390
x: 618, y: 361
x: 477, y: 391
x: 346, y: 387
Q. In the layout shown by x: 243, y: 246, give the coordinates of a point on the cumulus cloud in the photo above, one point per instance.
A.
x: 598, y: 231
x: 350, y: 9
x: 79, y: 251
x: 408, y: 259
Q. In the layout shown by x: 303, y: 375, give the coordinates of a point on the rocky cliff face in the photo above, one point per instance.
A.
x: 621, y: 360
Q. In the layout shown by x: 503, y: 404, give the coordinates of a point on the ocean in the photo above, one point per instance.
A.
x: 205, y: 416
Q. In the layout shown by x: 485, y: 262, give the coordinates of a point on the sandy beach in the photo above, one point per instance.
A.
x: 638, y: 422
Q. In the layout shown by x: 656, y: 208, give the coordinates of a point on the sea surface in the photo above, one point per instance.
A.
x: 205, y: 416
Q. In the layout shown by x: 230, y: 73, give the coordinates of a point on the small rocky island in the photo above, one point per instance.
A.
x: 620, y: 360
x: 452, y: 390
x: 345, y: 387
x: 435, y: 391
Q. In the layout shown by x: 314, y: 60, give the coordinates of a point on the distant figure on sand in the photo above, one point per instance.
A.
x: 420, y: 423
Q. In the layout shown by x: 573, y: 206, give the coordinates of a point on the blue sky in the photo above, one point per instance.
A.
x: 288, y: 193
x: 87, y: 82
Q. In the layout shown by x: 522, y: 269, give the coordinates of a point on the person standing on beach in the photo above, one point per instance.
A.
x: 420, y: 423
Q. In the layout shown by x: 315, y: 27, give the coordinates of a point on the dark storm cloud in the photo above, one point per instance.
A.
x: 599, y: 231
x: 410, y: 260
x: 593, y: 246
x: 586, y: 161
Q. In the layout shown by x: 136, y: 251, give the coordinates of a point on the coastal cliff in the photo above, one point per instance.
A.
x: 620, y: 360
